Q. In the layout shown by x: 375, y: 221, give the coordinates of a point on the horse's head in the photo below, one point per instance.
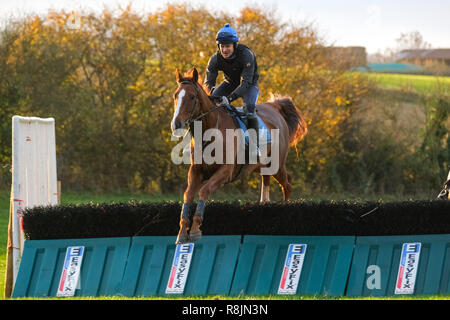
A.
x: 186, y: 100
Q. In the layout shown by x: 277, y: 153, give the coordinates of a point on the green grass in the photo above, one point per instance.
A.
x: 86, y: 197
x: 4, y: 218
x: 414, y: 83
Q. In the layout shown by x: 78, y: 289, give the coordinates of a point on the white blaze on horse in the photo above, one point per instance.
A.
x: 193, y: 103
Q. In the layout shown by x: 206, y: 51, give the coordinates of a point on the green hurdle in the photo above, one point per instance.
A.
x: 150, y: 262
x: 325, y: 268
x: 376, y: 262
x: 102, y: 268
x: 235, y: 265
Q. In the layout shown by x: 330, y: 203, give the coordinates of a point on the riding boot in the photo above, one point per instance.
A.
x: 253, y: 123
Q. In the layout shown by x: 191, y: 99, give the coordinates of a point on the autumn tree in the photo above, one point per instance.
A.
x: 109, y: 80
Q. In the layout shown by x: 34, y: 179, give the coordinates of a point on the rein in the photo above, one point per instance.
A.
x: 205, y: 113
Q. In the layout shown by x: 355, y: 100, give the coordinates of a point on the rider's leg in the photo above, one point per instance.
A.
x: 224, y: 89
x: 250, y: 99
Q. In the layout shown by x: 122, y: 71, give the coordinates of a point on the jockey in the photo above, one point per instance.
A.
x: 238, y: 63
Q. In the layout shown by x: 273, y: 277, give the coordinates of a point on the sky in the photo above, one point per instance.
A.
x: 374, y: 24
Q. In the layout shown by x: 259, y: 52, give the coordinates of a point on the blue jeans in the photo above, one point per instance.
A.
x: 250, y: 97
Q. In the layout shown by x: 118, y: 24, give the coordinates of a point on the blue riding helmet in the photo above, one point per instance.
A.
x: 227, y: 35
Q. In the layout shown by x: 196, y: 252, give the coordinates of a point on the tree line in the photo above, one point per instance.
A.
x: 108, y: 81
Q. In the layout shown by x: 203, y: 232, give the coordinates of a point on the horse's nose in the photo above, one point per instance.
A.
x: 175, y: 125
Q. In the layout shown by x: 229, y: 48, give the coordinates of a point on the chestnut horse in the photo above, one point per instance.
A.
x: 192, y: 102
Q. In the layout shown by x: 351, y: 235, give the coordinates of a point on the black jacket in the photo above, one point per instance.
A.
x: 241, y: 70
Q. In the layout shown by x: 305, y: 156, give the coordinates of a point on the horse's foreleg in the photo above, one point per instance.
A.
x: 221, y: 176
x: 265, y: 188
x: 195, y: 179
x: 183, y: 235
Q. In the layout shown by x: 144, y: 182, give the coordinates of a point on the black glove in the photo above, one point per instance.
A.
x: 220, y: 100
x: 216, y: 99
x: 224, y: 101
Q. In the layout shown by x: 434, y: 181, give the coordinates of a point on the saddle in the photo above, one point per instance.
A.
x: 240, y: 120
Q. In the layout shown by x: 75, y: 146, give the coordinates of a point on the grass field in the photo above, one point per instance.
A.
x: 415, y: 83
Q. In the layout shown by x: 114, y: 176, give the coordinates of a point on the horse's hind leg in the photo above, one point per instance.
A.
x: 265, y: 188
x: 284, y: 179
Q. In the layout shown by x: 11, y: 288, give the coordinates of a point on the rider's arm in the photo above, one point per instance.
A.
x: 247, y: 75
x: 212, y: 72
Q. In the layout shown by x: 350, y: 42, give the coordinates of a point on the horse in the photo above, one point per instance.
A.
x: 193, y: 101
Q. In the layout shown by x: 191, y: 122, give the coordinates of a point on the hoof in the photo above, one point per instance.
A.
x: 183, y: 239
x: 196, y: 236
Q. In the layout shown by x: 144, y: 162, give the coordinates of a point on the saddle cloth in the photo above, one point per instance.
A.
x: 264, y: 132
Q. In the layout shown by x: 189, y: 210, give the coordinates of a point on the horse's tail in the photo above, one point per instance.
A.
x: 295, y: 122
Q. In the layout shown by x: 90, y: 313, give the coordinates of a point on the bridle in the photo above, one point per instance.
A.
x: 191, y: 118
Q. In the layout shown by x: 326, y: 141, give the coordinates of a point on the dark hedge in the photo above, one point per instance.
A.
x: 225, y: 218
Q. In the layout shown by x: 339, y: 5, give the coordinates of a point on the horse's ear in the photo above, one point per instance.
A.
x: 195, y: 75
x: 178, y: 76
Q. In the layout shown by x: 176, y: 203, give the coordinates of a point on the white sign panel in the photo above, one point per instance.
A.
x: 70, y: 276
x: 34, y: 178
x: 407, y: 270
x: 180, y: 268
x: 292, y: 269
